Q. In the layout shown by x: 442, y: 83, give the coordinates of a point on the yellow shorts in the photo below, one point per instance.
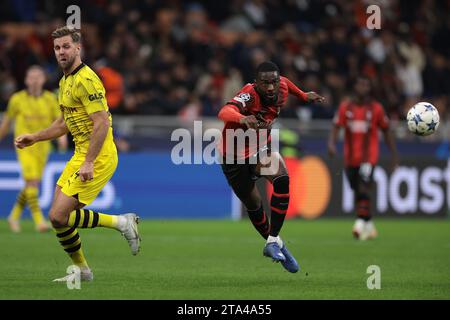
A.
x: 104, y: 167
x: 32, y: 161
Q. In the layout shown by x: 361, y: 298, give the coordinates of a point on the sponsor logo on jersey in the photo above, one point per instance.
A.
x: 358, y: 126
x: 65, y: 109
x: 243, y: 98
x: 96, y: 96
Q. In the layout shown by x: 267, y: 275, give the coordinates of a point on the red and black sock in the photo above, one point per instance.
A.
x: 363, y: 208
x: 279, y: 203
x: 260, y: 221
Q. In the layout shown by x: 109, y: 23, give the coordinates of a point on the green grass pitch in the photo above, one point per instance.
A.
x: 223, y: 260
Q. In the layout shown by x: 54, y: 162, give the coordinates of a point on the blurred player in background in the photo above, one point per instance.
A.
x: 361, y: 117
x: 31, y: 109
x: 85, y: 114
x: 255, y: 107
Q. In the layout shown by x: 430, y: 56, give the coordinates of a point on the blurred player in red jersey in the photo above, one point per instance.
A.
x: 361, y: 117
x: 255, y: 107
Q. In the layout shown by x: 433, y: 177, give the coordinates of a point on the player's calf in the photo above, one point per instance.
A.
x: 279, y: 203
x: 363, y: 208
x: 260, y: 221
x: 85, y: 218
x: 363, y: 228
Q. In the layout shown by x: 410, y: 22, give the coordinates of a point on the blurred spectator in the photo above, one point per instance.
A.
x: 188, y: 57
x: 113, y: 82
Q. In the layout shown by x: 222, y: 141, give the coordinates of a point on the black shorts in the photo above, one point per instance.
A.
x: 241, y: 177
x: 360, y: 175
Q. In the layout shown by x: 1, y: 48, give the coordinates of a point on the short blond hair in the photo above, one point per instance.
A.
x: 75, y: 34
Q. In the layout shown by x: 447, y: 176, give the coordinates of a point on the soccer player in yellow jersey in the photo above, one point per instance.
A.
x: 31, y: 109
x: 85, y: 114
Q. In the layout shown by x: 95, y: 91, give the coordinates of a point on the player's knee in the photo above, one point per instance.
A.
x: 57, y: 220
x: 281, y: 184
x: 253, y: 204
x: 249, y: 198
x: 362, y: 195
x: 251, y: 201
x: 363, y: 190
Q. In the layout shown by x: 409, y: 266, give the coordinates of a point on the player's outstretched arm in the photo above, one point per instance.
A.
x: 4, y: 126
x: 304, y: 96
x: 63, y: 143
x: 332, y: 140
x: 314, y: 97
x: 389, y: 139
x: 56, y: 129
x: 100, y: 128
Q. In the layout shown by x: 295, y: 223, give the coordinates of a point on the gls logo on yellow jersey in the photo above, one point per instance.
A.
x: 95, y: 96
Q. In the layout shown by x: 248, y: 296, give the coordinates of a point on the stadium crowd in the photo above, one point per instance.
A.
x: 187, y: 58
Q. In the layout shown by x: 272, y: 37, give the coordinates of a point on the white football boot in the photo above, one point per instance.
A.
x: 43, y: 227
x: 371, y: 230
x: 359, y: 229
x: 14, y: 225
x: 85, y: 275
x: 129, y: 230
x: 364, y: 230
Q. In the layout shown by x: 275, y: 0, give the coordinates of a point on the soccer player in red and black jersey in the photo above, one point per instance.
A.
x: 255, y: 107
x: 361, y: 117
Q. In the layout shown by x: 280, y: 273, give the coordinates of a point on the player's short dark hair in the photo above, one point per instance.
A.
x: 267, y: 66
x: 36, y: 67
x: 75, y: 34
x: 352, y: 81
x: 362, y: 77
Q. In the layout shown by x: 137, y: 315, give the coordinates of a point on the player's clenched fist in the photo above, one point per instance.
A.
x: 314, y: 97
x: 24, y: 140
x: 250, y: 122
x: 86, y: 171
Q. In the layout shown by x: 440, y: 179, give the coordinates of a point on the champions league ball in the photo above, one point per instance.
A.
x: 423, y: 119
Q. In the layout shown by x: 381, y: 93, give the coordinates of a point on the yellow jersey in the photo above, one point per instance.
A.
x: 31, y: 113
x: 82, y: 93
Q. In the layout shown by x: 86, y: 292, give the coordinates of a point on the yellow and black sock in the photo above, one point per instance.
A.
x: 83, y: 218
x: 71, y: 242
x: 31, y: 194
x: 17, y: 210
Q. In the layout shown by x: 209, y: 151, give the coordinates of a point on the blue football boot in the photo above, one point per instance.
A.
x: 272, y: 250
x: 290, y: 264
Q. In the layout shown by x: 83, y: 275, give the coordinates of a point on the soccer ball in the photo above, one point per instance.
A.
x: 423, y: 119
